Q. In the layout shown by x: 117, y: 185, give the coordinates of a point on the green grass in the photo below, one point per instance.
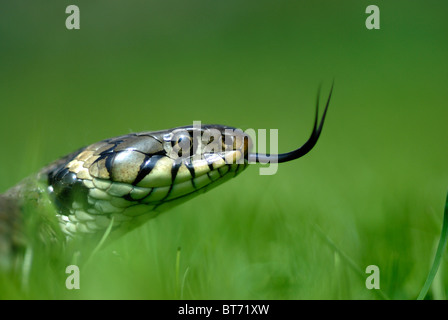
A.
x: 371, y: 193
x: 253, y: 247
x: 438, y: 256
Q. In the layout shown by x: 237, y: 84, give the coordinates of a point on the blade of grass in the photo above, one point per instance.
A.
x: 177, y: 293
x: 103, y: 239
x: 348, y: 260
x: 183, y: 283
x: 438, y: 256
x: 26, y: 268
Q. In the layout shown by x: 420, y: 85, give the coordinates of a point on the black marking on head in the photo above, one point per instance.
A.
x: 114, y: 143
x: 109, y: 155
x: 174, y: 171
x: 110, y: 163
x: 146, y: 167
x: 190, y: 168
x: 158, y: 153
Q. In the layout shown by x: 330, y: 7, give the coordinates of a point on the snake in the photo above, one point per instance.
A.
x: 119, y: 183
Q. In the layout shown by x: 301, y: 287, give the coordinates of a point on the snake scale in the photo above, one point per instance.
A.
x: 120, y: 183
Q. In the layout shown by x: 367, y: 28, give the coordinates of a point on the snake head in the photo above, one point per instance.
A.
x: 134, y: 177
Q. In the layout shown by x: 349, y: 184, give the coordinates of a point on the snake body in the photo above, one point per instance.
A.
x: 119, y: 183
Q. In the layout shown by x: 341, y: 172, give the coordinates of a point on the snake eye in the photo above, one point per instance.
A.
x: 182, y: 145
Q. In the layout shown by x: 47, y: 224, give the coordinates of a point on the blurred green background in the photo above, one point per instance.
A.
x: 371, y: 193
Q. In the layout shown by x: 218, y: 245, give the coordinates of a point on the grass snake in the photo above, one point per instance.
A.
x: 119, y: 183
